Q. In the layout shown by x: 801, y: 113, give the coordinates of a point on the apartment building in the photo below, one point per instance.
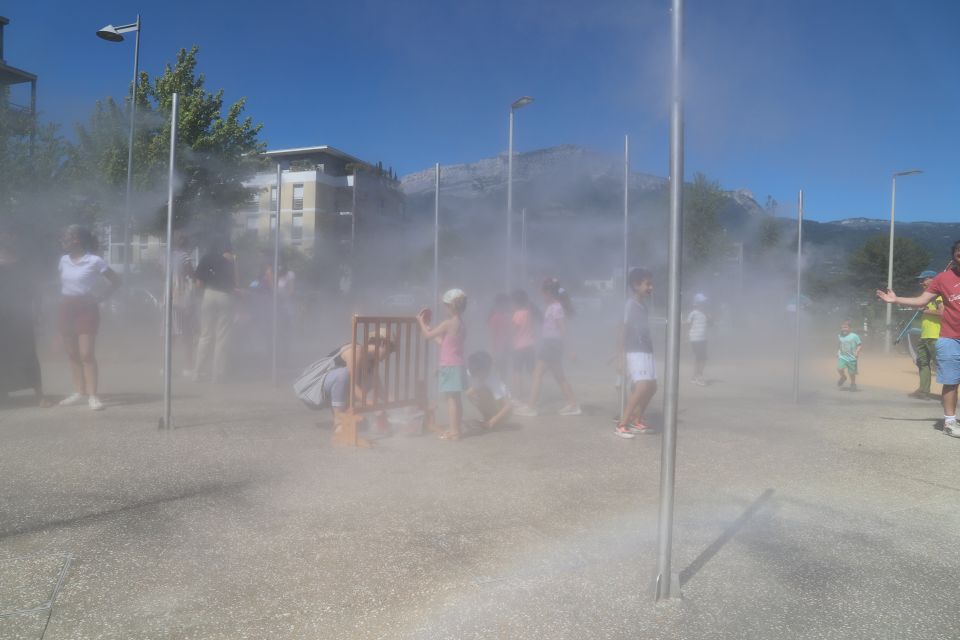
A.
x: 18, y: 94
x: 327, y: 199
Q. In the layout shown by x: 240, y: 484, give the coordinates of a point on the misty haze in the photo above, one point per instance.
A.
x: 478, y: 320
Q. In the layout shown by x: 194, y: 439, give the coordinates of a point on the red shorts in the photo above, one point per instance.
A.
x: 79, y: 316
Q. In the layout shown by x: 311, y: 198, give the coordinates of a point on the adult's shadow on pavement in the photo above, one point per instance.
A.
x: 707, y: 554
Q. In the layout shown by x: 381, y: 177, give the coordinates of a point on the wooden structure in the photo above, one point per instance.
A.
x: 397, y: 377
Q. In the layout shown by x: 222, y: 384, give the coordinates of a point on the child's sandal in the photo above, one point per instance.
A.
x: 449, y: 435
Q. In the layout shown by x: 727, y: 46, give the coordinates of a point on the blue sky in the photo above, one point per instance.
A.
x: 827, y: 96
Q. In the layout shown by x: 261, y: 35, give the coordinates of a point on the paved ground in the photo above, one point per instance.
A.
x: 834, y: 519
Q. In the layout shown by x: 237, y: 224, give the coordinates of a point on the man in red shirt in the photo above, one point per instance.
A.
x: 946, y: 285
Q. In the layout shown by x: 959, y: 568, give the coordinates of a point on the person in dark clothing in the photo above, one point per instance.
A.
x: 216, y: 276
x: 19, y: 365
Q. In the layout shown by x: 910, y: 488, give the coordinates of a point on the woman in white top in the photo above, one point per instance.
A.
x: 82, y: 274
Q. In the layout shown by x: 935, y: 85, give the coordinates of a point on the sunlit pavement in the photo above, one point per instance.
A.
x: 834, y: 519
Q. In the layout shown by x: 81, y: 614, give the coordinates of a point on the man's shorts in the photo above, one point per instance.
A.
x: 948, y: 360
x: 641, y: 367
x: 699, y: 348
x: 850, y: 366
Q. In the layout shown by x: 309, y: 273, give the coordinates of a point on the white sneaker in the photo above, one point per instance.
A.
x: 95, y: 404
x: 524, y: 410
x: 72, y: 399
x: 570, y: 410
x: 951, y: 429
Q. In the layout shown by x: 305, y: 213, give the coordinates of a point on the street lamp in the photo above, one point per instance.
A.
x: 519, y: 103
x: 893, y: 205
x: 111, y: 33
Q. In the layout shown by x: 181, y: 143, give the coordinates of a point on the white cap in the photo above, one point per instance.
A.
x: 699, y: 298
x: 453, y: 295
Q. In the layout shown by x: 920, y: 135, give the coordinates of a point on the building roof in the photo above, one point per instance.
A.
x: 306, y: 151
x: 12, y: 75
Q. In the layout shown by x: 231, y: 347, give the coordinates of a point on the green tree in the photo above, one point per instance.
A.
x: 867, y: 267
x: 704, y: 238
x: 217, y: 150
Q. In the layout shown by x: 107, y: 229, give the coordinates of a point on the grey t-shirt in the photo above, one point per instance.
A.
x: 636, y: 326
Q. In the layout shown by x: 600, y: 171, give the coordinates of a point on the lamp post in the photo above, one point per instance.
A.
x: 111, y: 33
x: 519, y: 103
x: 893, y: 205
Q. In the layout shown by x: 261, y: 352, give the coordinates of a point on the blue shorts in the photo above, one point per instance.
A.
x: 948, y: 360
x: 452, y: 379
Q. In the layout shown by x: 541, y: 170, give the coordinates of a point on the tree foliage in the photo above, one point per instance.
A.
x: 217, y: 150
x: 868, y: 265
x: 704, y: 238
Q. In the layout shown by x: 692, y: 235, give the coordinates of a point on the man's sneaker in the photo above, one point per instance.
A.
x: 526, y: 411
x: 72, y: 399
x: 570, y: 410
x: 700, y: 382
x: 841, y: 381
x: 95, y: 404
x: 951, y: 429
x: 854, y: 387
x: 623, y: 431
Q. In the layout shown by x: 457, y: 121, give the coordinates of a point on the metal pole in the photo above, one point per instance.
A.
x: 436, y: 239
x: 276, y: 281
x: 796, y: 336
x: 667, y: 583
x: 523, y: 247
x: 624, y: 381
x: 507, y: 257
x: 893, y: 205
x: 353, y: 217
x: 133, y: 113
x: 166, y: 422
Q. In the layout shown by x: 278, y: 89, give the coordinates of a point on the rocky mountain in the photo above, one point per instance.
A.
x: 569, y: 181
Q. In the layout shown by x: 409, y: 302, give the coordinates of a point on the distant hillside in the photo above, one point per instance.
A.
x: 570, y: 183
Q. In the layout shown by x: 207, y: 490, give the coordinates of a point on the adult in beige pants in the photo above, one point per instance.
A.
x: 216, y: 274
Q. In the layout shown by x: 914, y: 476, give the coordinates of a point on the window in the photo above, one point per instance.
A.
x: 273, y: 221
x: 273, y: 198
x: 296, y: 233
x: 298, y: 197
x: 253, y: 222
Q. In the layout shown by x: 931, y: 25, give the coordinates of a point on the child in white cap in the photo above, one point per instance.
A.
x: 451, y: 335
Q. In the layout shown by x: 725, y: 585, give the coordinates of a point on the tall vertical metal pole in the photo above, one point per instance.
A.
x: 523, y: 248
x: 796, y: 329
x: 275, y: 337
x: 508, y: 282
x: 166, y: 422
x: 353, y: 217
x: 667, y: 583
x: 893, y: 205
x: 436, y: 238
x: 133, y: 113
x: 624, y: 378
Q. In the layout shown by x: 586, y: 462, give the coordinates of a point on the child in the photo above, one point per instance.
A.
x: 523, y: 348
x: 698, y: 338
x: 550, y: 355
x: 451, y: 334
x: 501, y: 330
x: 847, y: 356
x: 637, y: 347
x: 487, y: 392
